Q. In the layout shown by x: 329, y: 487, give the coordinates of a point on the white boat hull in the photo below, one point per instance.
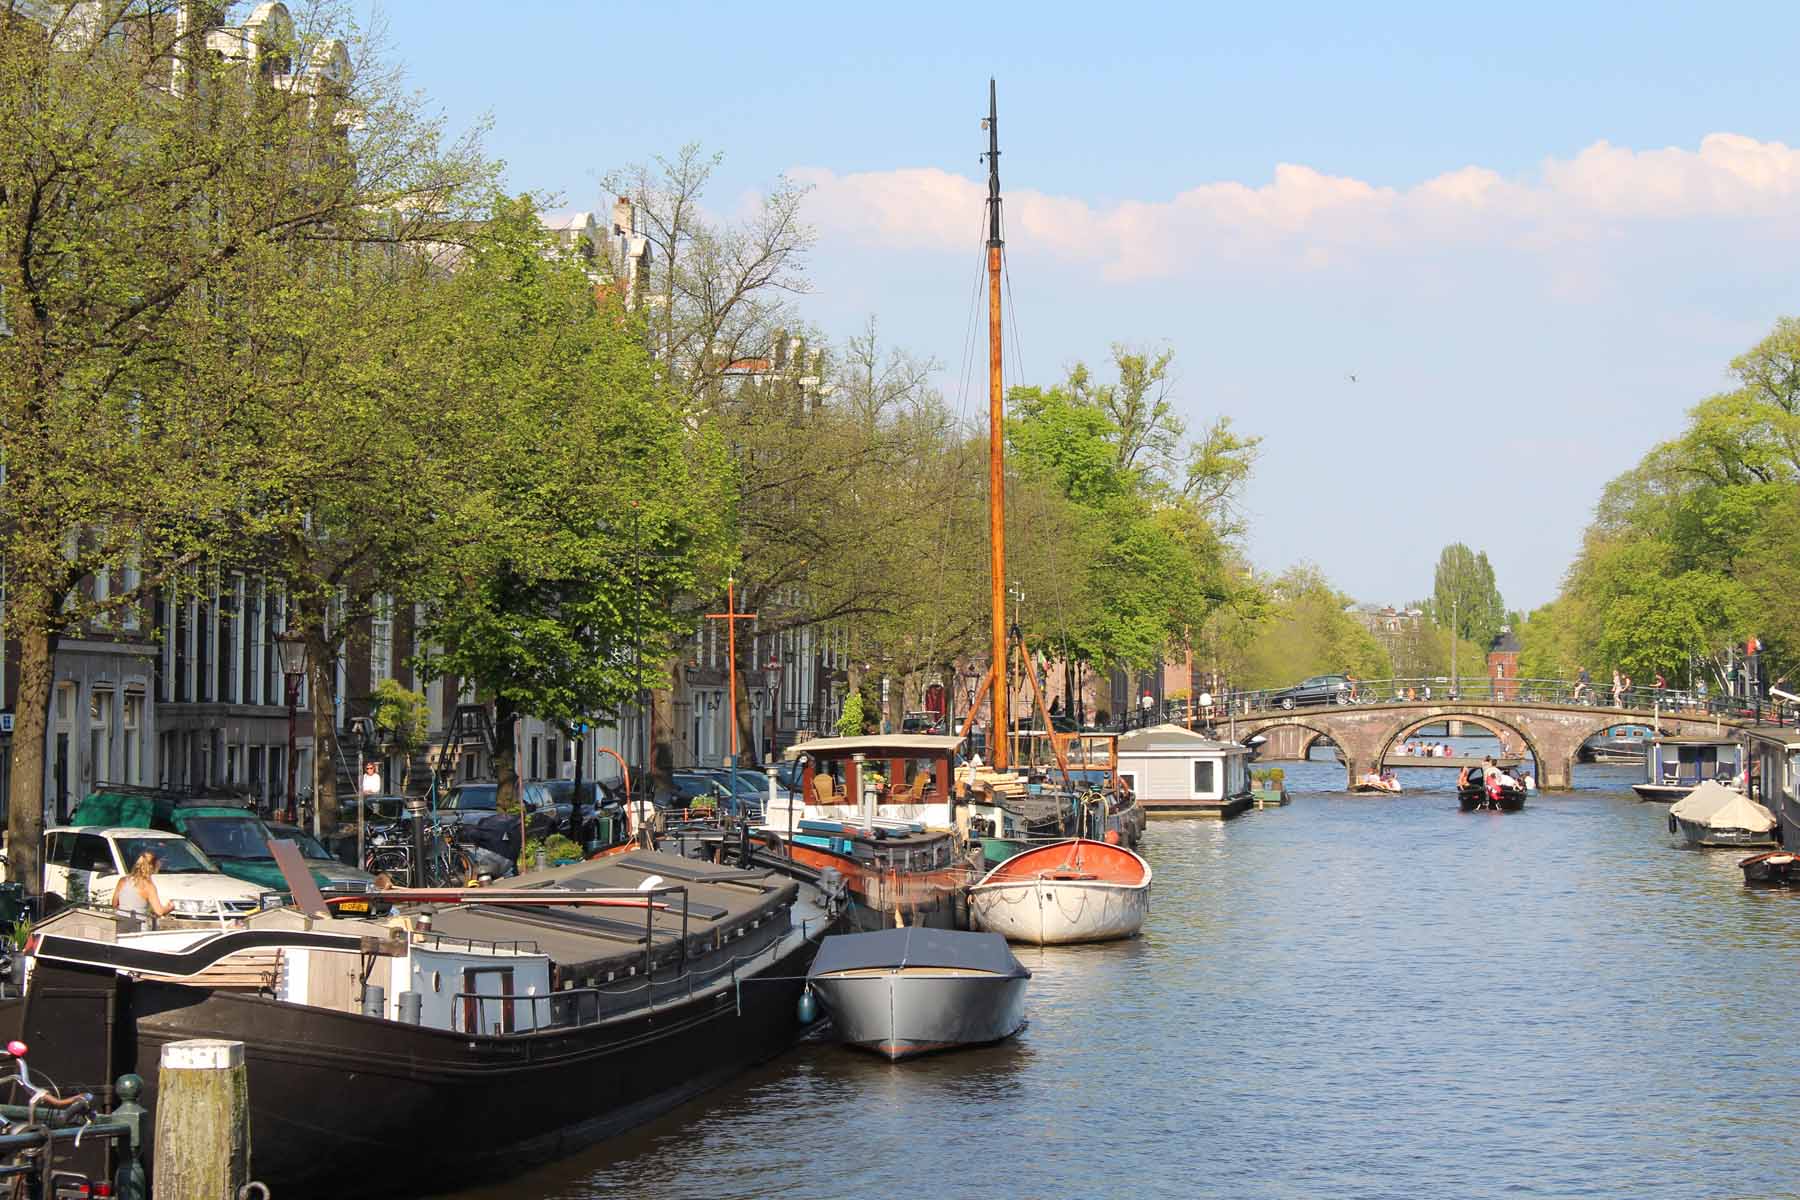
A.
x: 1060, y: 912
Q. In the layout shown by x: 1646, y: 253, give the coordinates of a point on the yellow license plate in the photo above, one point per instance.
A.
x: 354, y: 906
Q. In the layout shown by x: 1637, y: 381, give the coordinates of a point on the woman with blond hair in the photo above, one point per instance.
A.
x: 137, y: 894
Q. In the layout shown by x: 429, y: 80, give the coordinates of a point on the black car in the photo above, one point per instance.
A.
x: 1317, y: 689
x: 472, y: 801
x: 582, y: 802
x: 690, y: 786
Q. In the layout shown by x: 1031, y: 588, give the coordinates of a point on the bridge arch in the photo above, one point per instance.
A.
x: 1495, y: 725
x: 1309, y: 735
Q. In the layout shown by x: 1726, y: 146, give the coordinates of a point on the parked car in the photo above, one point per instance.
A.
x: 749, y: 790
x: 582, y: 804
x: 230, y: 834
x: 83, y: 865
x: 923, y: 721
x: 690, y: 786
x: 1318, y: 689
x: 335, y: 879
x: 472, y: 801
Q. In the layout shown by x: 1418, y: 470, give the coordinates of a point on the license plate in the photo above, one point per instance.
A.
x: 354, y: 906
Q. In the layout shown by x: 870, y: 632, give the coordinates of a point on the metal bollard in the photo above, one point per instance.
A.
x: 129, y: 1181
x: 374, y: 1000
x: 410, y: 1003
x: 202, y: 1121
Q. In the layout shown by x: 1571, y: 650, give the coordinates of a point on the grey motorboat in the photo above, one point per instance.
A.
x: 902, y: 992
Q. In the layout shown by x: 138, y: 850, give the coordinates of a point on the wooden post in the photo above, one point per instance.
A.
x: 202, y: 1121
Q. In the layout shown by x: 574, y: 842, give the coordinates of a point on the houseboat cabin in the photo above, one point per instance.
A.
x: 1176, y: 772
x: 1774, y: 760
x: 1676, y: 765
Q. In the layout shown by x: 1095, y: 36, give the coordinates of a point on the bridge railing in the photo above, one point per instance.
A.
x: 1481, y: 689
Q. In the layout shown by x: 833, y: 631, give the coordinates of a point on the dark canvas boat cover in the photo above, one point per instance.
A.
x: 894, y: 948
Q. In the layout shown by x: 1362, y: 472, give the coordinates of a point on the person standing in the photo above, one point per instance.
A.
x: 1584, y: 685
x: 137, y: 894
x: 1616, y: 703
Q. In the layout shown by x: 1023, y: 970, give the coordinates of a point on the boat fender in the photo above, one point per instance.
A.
x: 808, y: 1008
x: 1674, y: 826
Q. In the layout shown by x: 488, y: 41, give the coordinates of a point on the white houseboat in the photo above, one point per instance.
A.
x: 1176, y: 772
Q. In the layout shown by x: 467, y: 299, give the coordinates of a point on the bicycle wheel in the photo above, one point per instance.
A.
x: 461, y: 865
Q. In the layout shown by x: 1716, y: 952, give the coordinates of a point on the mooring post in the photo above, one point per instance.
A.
x: 202, y: 1121
x: 129, y: 1182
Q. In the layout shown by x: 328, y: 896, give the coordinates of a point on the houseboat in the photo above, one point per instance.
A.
x: 1677, y: 764
x: 1175, y: 772
x: 1618, y: 744
x: 1772, y: 756
x: 883, y: 811
x: 456, y: 1041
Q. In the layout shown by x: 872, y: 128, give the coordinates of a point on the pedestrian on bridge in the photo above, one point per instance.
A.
x: 1584, y: 685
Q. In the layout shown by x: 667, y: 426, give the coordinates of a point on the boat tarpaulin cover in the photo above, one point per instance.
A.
x: 1741, y: 812
x: 1703, y: 801
x: 895, y: 948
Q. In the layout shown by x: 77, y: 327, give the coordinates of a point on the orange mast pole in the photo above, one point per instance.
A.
x: 996, y: 439
x: 731, y: 616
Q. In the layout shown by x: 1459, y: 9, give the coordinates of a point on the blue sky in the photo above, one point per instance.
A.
x: 1536, y: 234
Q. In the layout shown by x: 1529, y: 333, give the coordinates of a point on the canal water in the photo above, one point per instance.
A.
x: 1345, y: 997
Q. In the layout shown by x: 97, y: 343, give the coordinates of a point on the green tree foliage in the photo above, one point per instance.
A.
x: 1140, y: 548
x: 1465, y: 597
x: 589, y: 500
x: 1692, y: 550
x: 850, y: 721
x: 1307, y: 631
x: 154, y: 194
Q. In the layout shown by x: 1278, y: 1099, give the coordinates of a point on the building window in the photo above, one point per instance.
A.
x: 230, y: 644
x: 131, y: 577
x: 381, y: 639
x: 133, y: 729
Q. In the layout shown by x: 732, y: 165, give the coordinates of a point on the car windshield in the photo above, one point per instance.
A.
x: 692, y: 785
x: 381, y: 808
x: 748, y: 785
x: 175, y: 856
x: 481, y: 798
x: 230, y: 837
x: 304, y: 841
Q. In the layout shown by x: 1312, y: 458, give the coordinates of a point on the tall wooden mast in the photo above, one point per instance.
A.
x: 996, y: 440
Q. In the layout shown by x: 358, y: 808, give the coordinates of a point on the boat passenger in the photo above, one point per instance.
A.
x: 137, y: 894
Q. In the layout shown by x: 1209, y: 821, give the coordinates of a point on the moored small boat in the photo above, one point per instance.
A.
x: 1715, y: 815
x: 1772, y: 868
x: 906, y: 992
x: 1073, y: 891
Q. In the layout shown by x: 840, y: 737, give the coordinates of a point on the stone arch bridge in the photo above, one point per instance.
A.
x: 1552, y: 733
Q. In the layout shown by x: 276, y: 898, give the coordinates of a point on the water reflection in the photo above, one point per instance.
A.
x: 1349, y: 996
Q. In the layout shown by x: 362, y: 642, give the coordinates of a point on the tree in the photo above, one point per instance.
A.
x: 1308, y: 631
x: 152, y: 191
x: 589, y: 496
x: 850, y: 721
x: 1464, y: 596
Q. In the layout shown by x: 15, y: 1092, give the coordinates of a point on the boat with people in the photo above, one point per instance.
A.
x: 1715, y: 815
x: 1075, y: 891
x: 1676, y: 764
x: 454, y: 1036
x: 1490, y: 788
x: 1376, y: 783
x: 901, y: 993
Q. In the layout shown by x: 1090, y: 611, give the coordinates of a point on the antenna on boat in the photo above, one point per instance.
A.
x: 996, y: 440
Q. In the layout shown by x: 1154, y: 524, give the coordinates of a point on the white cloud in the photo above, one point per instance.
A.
x: 1308, y: 220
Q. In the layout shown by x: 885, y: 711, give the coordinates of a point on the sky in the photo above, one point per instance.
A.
x: 1535, y: 235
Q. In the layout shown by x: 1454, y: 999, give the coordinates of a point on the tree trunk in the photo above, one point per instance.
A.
x: 662, y: 734
x: 506, y: 742
x: 31, y: 720
x: 746, y: 736
x: 320, y: 664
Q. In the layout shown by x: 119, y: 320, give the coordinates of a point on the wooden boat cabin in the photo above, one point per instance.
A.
x: 909, y: 776
x: 1176, y: 772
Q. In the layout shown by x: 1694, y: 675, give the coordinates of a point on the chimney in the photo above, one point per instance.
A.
x: 621, y: 217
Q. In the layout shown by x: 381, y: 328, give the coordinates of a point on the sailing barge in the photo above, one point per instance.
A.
x: 450, y: 1043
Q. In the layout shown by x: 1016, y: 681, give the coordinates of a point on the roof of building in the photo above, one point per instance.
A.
x: 1505, y: 642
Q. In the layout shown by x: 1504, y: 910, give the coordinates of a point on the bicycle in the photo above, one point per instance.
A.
x: 29, y: 1171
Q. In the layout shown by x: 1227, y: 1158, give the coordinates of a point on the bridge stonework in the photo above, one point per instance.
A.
x: 1551, y: 733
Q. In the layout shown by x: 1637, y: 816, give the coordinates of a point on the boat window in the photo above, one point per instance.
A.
x: 1205, y: 782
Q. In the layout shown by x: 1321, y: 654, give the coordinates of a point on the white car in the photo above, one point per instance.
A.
x: 83, y: 865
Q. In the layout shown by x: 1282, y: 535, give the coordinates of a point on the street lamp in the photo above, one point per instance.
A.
x: 291, y: 644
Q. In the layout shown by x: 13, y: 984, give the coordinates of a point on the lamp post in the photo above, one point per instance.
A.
x: 291, y: 644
